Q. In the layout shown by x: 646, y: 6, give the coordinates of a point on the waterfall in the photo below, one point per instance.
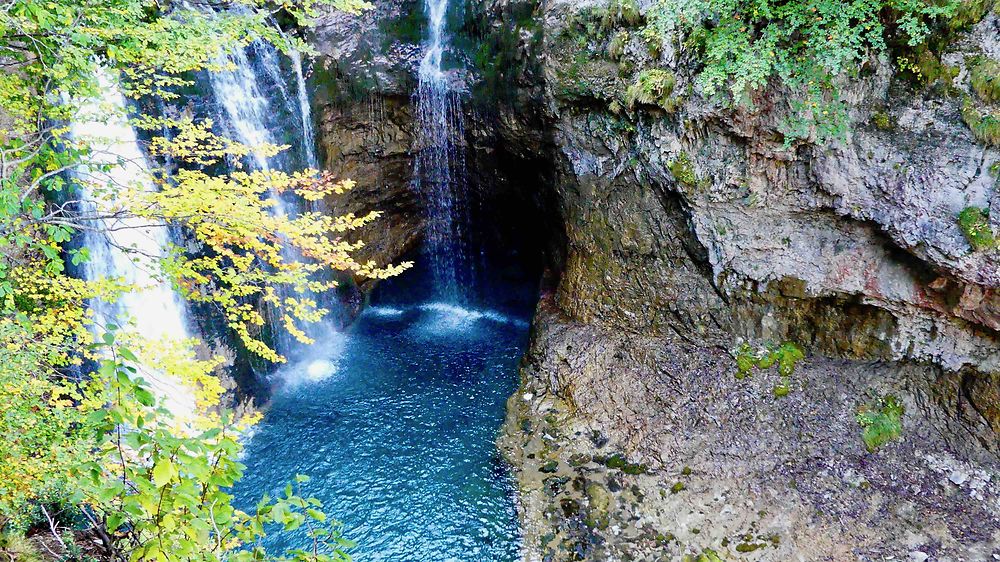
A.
x: 245, y: 94
x: 256, y: 109
x: 246, y: 107
x: 305, y: 113
x: 439, y: 174
x: 127, y: 247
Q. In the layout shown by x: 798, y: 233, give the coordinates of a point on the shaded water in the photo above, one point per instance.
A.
x: 400, y: 439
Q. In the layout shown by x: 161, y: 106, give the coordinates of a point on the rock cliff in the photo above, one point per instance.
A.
x: 678, y: 230
x: 691, y: 228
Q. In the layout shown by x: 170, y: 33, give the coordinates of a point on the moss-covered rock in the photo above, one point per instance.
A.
x: 653, y: 87
x: 984, y: 74
x: 975, y: 225
x: 984, y: 123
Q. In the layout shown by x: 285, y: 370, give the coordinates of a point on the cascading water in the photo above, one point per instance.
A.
x: 305, y: 113
x: 127, y: 247
x: 401, y: 442
x: 439, y: 174
x: 255, y: 106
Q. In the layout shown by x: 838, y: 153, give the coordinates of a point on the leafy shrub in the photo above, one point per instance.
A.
x: 745, y: 44
x: 881, y: 423
x: 985, y: 77
x: 653, y: 87
x: 975, y: 225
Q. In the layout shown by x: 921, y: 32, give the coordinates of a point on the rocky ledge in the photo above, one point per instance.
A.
x: 632, y: 447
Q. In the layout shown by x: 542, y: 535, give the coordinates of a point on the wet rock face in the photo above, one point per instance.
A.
x: 370, y: 144
x: 633, y: 447
x: 698, y: 220
x: 361, y: 83
x: 688, y: 228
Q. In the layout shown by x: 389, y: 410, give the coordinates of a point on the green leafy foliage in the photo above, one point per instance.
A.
x: 79, y: 427
x: 745, y: 45
x: 158, y: 490
x: 881, y: 423
x: 975, y: 225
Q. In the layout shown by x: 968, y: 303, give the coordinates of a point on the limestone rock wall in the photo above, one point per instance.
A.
x: 690, y: 227
x: 698, y: 220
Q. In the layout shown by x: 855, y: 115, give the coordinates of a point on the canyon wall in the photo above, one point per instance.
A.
x: 678, y: 229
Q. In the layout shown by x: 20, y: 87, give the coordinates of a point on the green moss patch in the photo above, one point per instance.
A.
x: 984, y: 73
x: 785, y: 356
x: 623, y: 13
x: 975, y: 225
x: 985, y: 125
x: 883, y: 121
x: 683, y: 170
x: 969, y: 13
x: 655, y: 88
x: 881, y: 423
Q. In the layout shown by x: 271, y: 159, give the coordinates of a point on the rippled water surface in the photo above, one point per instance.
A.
x: 396, y: 419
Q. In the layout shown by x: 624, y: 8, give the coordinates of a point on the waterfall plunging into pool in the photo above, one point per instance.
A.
x: 400, y: 442
x: 439, y: 174
x: 255, y: 106
x: 123, y: 246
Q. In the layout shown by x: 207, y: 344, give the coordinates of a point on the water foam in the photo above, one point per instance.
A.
x: 458, y: 316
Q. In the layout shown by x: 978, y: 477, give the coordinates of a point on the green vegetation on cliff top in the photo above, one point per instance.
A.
x: 745, y: 47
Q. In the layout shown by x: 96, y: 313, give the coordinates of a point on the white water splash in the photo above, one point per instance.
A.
x: 124, y: 246
x: 319, y: 362
x: 385, y: 311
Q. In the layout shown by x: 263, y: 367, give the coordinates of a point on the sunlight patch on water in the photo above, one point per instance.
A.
x: 449, y: 316
x: 386, y: 311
